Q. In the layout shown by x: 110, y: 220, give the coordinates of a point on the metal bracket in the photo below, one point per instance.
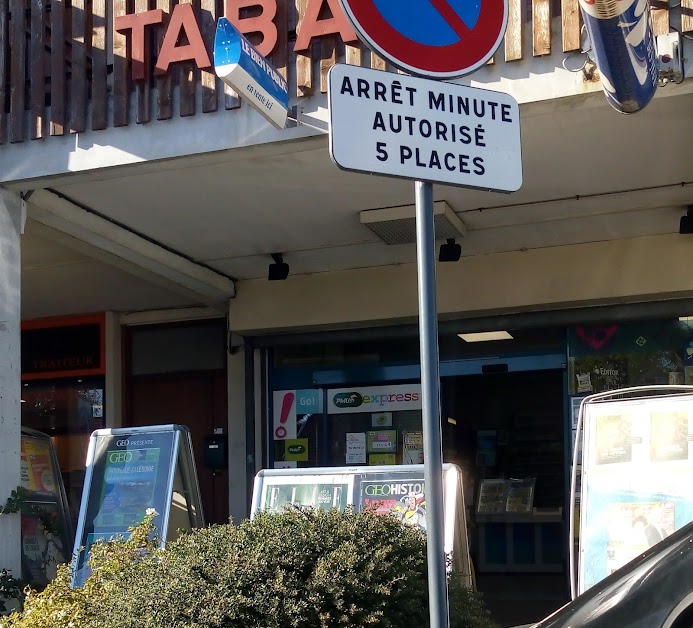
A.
x: 294, y: 117
x: 669, y: 48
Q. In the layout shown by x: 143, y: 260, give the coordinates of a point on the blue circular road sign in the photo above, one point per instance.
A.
x: 432, y: 38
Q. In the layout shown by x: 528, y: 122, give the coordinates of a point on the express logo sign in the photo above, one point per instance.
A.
x: 398, y: 397
x: 354, y: 399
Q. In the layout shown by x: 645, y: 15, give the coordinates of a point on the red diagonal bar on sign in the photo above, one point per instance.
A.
x: 451, y: 17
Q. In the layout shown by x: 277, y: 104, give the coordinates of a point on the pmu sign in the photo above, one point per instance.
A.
x: 433, y: 38
x: 240, y: 65
x: 425, y: 130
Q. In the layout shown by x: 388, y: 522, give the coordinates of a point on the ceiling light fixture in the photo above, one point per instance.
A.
x: 686, y: 222
x: 397, y: 225
x: 279, y: 270
x: 450, y: 251
x: 485, y: 336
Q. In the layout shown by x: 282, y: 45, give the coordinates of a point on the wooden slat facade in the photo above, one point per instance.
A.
x: 541, y: 27
x: 4, y: 15
x: 142, y: 89
x: 570, y: 25
x: 64, y: 68
x: 17, y: 69
x: 99, y: 66
x: 58, y: 104
x: 37, y: 88
x: 164, y: 83
x: 121, y: 71
x: 514, y: 32
x: 187, y: 79
x: 78, y: 64
x: 687, y: 16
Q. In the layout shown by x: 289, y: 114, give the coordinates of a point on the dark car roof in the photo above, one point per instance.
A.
x: 642, y: 594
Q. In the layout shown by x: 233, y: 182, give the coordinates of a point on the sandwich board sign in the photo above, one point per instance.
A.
x: 238, y: 63
x: 398, y: 490
x: 129, y: 472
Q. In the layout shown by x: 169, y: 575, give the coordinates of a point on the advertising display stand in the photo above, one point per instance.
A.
x: 635, y: 476
x: 129, y: 472
x: 395, y: 490
x: 46, y: 526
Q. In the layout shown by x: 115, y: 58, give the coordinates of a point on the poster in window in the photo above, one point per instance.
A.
x: 42, y: 549
x: 634, y: 527
x: 613, y: 438
x: 39, y: 475
x: 356, y: 448
x: 669, y: 436
x: 403, y: 497
x: 412, y: 447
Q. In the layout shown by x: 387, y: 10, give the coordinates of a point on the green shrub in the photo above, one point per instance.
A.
x: 302, y: 569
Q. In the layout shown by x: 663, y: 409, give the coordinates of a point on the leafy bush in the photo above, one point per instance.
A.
x: 302, y: 569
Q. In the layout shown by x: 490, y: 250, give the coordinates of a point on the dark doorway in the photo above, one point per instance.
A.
x: 198, y: 401
x: 511, y: 426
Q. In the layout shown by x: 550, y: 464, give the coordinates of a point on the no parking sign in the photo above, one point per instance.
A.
x: 434, y: 38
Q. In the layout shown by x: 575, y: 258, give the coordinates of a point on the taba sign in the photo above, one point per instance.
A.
x: 238, y: 63
x: 184, y: 38
x: 374, y: 398
x: 413, y: 128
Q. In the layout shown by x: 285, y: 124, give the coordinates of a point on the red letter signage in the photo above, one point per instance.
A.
x: 262, y: 23
x: 137, y: 23
x: 182, y: 22
x: 313, y: 27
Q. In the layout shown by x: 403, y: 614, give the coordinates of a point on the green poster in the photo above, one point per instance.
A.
x: 128, y: 486
x: 296, y: 449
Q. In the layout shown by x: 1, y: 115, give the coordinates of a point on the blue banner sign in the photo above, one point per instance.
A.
x: 241, y: 66
x: 623, y: 48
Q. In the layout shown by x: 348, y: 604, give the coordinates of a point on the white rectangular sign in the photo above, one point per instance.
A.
x: 414, y: 128
x: 374, y: 398
x: 356, y: 448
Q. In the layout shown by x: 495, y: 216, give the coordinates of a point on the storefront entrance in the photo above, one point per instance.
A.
x: 505, y: 424
x: 507, y: 431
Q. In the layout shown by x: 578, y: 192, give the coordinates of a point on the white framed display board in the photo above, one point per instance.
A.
x: 397, y: 490
x: 130, y: 470
x: 636, y: 479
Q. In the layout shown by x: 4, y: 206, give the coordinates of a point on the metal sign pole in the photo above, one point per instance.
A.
x: 430, y: 395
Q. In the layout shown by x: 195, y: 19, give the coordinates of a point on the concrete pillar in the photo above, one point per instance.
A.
x: 10, y: 374
x: 114, y: 380
x: 238, y: 503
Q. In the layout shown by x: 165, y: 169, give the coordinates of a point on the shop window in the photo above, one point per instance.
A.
x: 611, y: 356
x: 406, y: 349
x: 397, y: 350
x: 67, y: 411
x: 522, y: 342
x: 63, y: 383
